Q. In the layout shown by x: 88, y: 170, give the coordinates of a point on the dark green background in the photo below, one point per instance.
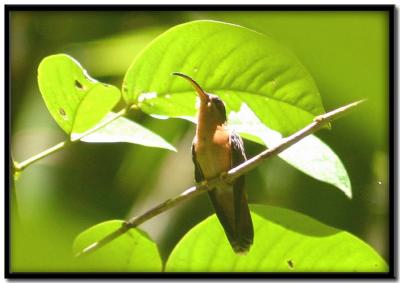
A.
x: 346, y: 53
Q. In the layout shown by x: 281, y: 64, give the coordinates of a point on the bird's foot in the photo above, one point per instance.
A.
x: 202, y: 184
x: 319, y: 119
x: 224, y: 178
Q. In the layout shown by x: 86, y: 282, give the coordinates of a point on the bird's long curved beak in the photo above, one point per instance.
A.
x: 203, y: 96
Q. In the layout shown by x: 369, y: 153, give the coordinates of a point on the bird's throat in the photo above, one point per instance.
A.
x: 212, y: 145
x: 207, y: 124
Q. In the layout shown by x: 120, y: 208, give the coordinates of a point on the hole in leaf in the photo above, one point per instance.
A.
x: 290, y: 263
x: 78, y: 85
x: 62, y: 113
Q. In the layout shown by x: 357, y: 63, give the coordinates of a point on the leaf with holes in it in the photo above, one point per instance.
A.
x: 227, y: 60
x: 284, y: 241
x: 76, y: 101
x: 133, y: 251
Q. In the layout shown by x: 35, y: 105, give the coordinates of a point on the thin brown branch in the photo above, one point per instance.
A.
x: 318, y: 123
x: 228, y: 177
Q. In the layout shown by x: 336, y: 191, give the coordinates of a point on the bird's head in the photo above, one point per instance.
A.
x: 209, y: 103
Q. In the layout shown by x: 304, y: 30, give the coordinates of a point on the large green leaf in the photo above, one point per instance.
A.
x: 125, y: 130
x: 227, y: 60
x: 284, y: 241
x: 310, y: 155
x: 133, y: 251
x: 76, y: 101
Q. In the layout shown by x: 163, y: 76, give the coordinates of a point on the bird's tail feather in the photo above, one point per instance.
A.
x: 233, y: 212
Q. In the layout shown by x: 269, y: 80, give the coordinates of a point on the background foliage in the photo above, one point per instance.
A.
x: 346, y: 53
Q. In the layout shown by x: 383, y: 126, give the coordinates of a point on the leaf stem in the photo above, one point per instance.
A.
x: 101, y: 125
x: 228, y: 177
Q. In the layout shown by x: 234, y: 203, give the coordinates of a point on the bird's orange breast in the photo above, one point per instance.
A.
x: 213, y: 151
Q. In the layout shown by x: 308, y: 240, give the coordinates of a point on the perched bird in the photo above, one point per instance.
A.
x: 216, y: 150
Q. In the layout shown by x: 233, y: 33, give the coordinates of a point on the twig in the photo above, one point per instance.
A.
x: 228, y: 177
x: 13, y: 196
x: 19, y: 166
x: 22, y: 165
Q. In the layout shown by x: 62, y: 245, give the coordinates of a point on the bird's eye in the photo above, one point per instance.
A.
x: 219, y: 103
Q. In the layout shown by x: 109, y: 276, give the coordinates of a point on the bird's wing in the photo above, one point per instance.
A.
x: 198, y: 174
x: 221, y: 201
x: 243, y: 222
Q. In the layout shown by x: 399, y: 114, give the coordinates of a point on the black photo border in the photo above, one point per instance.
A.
x: 392, y: 119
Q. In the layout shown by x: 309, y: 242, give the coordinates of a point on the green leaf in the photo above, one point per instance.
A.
x: 230, y: 61
x: 125, y: 130
x: 310, y: 155
x: 132, y: 252
x: 76, y: 101
x: 284, y: 241
x: 316, y: 159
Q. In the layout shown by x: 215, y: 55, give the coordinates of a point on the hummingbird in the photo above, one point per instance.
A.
x: 215, y: 150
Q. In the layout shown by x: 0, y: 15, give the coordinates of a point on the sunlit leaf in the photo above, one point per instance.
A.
x: 310, y: 155
x: 284, y: 241
x: 76, y: 101
x: 227, y: 60
x: 133, y: 251
x: 125, y: 130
